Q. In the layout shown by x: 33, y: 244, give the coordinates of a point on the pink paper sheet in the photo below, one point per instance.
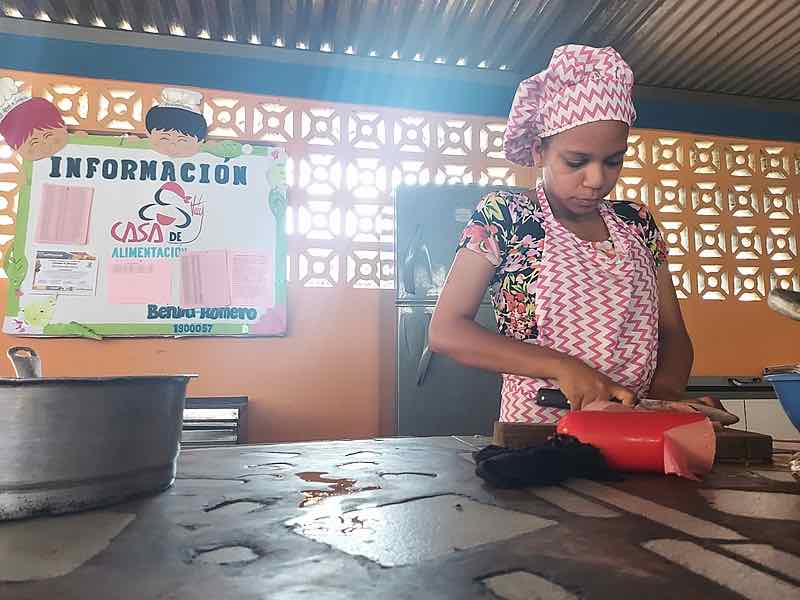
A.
x: 689, y: 450
x: 64, y: 213
x: 139, y: 282
x: 251, y: 278
x: 205, y: 279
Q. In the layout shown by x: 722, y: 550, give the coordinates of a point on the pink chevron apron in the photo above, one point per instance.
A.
x: 601, y: 309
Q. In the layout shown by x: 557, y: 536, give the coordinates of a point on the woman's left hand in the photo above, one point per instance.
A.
x: 674, y: 395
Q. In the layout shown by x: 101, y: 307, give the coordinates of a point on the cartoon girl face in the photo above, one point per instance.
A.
x: 43, y: 143
x: 35, y: 129
x: 173, y: 143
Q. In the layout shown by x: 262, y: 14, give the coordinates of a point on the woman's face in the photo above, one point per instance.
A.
x: 580, y: 166
x: 43, y: 143
x: 173, y: 143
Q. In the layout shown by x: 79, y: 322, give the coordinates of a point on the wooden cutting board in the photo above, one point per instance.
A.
x: 748, y: 446
x: 732, y: 444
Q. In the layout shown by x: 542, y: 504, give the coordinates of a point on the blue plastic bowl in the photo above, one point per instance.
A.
x: 787, y: 387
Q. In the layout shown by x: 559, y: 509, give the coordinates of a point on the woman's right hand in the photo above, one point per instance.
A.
x: 582, y: 385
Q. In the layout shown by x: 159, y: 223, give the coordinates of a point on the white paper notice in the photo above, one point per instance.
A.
x: 68, y: 273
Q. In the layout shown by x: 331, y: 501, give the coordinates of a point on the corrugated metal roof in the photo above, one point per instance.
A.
x: 740, y: 47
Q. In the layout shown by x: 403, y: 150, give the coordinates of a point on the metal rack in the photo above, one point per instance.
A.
x: 214, y: 421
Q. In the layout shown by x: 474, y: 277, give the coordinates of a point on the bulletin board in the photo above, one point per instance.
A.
x: 117, y: 240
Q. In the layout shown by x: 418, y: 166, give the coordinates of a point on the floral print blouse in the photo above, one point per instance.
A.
x: 506, y: 228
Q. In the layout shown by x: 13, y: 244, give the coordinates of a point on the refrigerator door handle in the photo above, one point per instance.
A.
x: 424, y: 365
x: 417, y: 253
x: 408, y: 276
x: 425, y: 358
x: 742, y: 382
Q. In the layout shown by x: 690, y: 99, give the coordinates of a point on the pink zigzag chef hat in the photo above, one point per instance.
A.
x: 580, y: 85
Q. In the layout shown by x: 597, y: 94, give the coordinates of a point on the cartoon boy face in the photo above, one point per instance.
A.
x: 173, y: 143
x: 43, y: 143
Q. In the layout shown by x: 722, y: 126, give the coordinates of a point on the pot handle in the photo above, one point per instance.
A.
x: 27, y: 364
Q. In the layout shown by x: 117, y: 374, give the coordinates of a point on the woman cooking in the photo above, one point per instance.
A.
x: 581, y: 288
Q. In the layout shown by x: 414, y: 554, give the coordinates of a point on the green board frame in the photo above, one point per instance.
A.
x: 273, y: 322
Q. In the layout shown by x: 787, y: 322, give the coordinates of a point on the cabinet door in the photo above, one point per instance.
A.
x: 767, y: 416
x: 436, y: 395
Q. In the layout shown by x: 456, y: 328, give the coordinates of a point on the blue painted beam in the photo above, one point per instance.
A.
x: 130, y: 63
x: 377, y: 87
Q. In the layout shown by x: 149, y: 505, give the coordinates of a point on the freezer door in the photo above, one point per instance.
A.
x: 428, y: 224
x: 436, y: 395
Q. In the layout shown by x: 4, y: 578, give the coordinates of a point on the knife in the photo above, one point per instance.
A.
x: 552, y: 398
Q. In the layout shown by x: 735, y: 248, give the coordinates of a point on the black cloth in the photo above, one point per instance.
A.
x: 560, y: 458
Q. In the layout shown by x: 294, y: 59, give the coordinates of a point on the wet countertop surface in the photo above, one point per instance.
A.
x: 407, y: 518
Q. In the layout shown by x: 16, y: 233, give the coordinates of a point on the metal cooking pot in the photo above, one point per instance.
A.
x: 73, y: 443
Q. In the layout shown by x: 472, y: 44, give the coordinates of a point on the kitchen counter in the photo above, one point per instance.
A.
x: 407, y: 518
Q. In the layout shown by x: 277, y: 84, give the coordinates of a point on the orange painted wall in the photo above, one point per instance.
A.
x: 739, y: 338
x: 332, y: 378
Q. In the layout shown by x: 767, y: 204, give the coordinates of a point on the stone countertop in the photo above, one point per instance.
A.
x: 407, y: 518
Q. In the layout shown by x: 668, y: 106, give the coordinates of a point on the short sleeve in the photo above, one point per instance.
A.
x: 654, y: 240
x: 488, y: 231
x: 641, y: 220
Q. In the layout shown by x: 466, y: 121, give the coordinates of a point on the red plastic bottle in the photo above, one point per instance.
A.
x: 630, y: 441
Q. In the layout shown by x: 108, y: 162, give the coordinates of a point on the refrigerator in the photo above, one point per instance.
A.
x: 436, y: 395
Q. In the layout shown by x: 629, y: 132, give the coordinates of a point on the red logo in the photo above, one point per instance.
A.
x: 174, y: 218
